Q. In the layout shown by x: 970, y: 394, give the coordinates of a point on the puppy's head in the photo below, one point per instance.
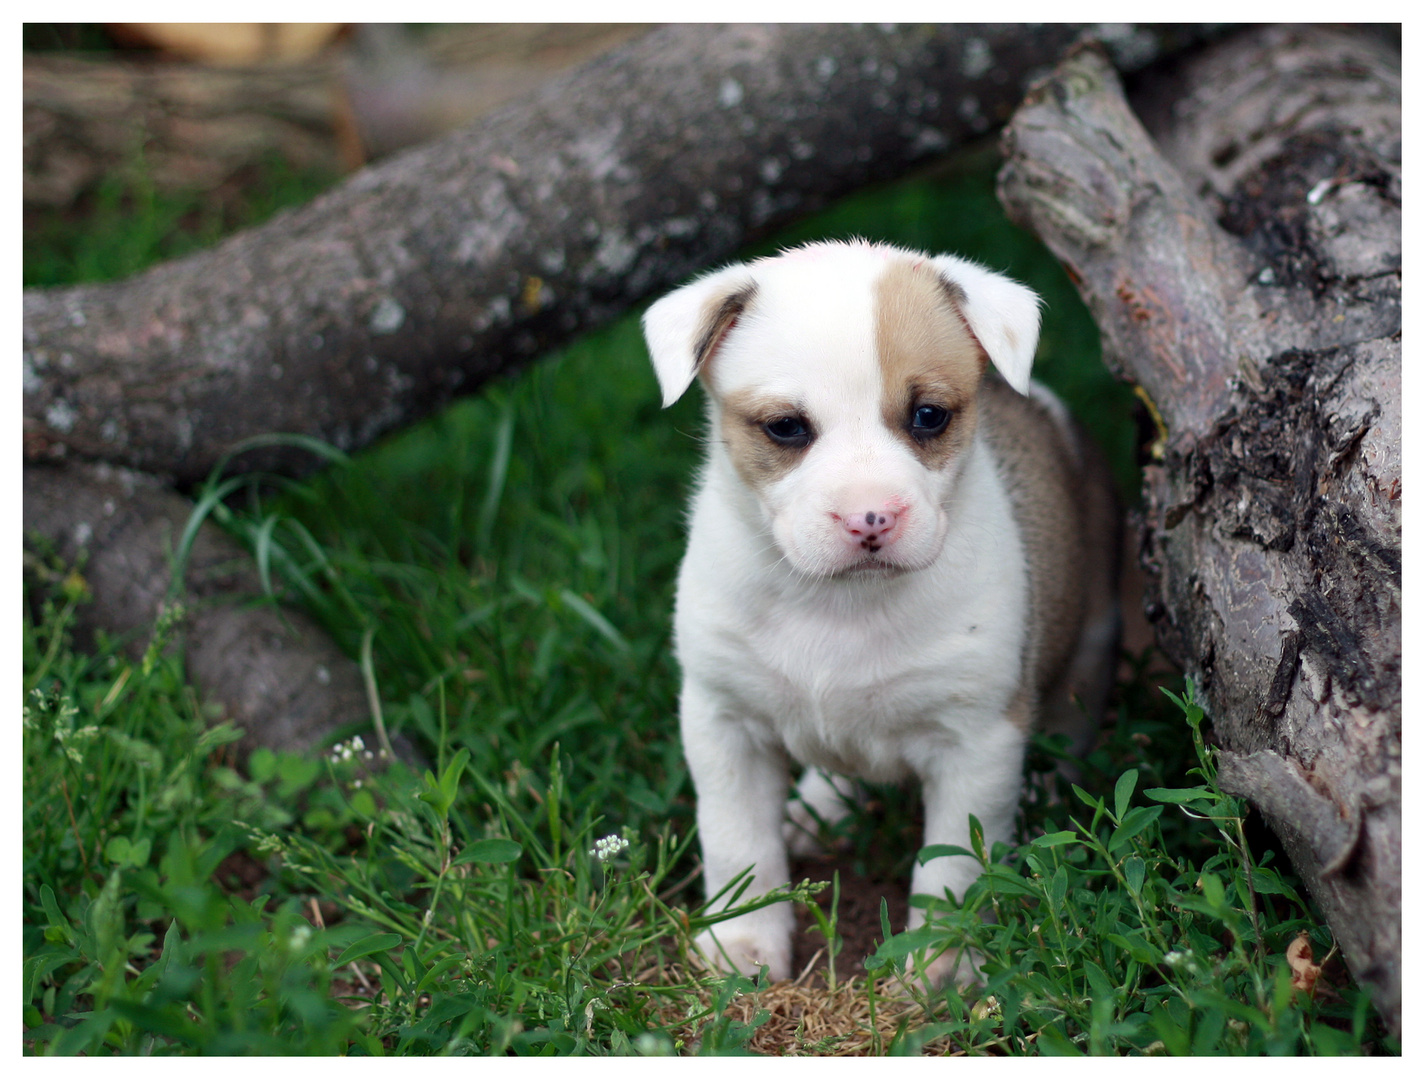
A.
x: 843, y: 381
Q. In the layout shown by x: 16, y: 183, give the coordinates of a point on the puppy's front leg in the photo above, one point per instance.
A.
x: 981, y: 776
x: 741, y: 785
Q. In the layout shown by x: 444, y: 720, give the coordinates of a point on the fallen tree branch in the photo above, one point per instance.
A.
x: 1244, y: 269
x: 193, y: 127
x: 423, y: 276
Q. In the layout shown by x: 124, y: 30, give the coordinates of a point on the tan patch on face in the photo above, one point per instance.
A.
x: 928, y: 357
x: 758, y: 459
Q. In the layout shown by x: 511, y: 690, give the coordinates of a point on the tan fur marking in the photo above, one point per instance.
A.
x: 758, y: 460
x: 1067, y: 517
x: 718, y: 317
x: 928, y: 357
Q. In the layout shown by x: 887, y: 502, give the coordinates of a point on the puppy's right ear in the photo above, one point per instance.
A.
x: 685, y: 328
x: 1003, y: 315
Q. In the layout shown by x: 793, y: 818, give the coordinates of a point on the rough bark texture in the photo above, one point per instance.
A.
x: 424, y: 275
x: 1244, y: 267
x: 273, y: 672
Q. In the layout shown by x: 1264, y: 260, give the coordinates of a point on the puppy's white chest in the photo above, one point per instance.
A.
x: 863, y: 677
x: 867, y: 701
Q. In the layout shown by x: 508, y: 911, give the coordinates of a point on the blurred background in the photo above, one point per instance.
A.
x: 196, y: 129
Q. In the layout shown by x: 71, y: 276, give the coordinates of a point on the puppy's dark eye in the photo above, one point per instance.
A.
x: 928, y: 421
x: 788, y: 431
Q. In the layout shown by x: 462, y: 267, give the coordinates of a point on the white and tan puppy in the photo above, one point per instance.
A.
x: 899, y: 563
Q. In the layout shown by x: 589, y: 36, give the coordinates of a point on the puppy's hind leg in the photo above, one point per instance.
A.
x: 1076, y: 709
x: 822, y: 800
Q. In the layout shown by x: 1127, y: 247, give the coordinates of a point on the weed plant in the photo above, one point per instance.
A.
x: 504, y: 574
x: 1103, y: 938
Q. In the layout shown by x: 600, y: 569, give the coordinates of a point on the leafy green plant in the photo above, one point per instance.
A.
x: 1099, y: 939
x: 465, y: 931
x: 130, y: 943
x: 523, y: 936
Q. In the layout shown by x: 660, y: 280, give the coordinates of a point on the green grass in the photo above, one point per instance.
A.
x: 125, y: 224
x: 505, y: 573
x: 466, y: 912
x: 1136, y: 920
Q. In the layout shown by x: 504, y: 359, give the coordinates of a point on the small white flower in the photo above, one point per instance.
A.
x: 650, y: 1045
x: 608, y: 847
x: 1183, y: 961
x: 300, y: 936
x: 270, y: 843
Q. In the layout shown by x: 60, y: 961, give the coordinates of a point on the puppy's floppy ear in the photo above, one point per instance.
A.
x: 685, y: 327
x: 1003, y: 314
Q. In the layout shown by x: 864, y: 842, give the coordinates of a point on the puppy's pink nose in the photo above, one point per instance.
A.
x: 872, y: 529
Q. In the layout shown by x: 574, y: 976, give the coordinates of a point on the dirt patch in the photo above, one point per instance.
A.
x: 858, y: 919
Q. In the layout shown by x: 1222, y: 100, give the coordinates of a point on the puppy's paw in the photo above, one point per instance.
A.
x: 802, y: 832
x: 746, y: 951
x: 821, y: 802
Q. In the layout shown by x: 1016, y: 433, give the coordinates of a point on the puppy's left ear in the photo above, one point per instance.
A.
x: 685, y: 328
x: 1003, y: 314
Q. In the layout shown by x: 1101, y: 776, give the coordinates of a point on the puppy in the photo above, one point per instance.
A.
x: 899, y: 563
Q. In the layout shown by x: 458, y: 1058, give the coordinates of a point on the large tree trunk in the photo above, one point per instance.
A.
x: 424, y: 275
x: 1244, y: 267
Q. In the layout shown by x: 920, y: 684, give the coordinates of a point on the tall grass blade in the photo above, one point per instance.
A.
x: 495, y: 479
